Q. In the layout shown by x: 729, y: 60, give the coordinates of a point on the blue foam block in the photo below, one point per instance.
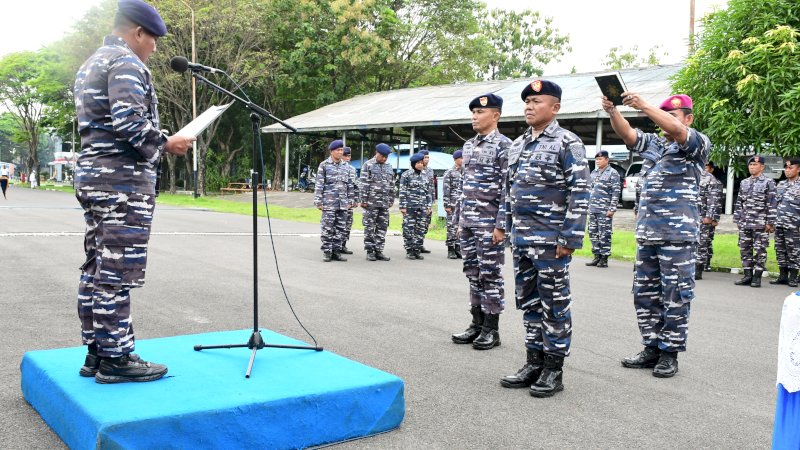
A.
x: 294, y: 398
x: 786, y: 433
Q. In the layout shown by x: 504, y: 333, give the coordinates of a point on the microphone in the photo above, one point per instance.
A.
x: 181, y: 64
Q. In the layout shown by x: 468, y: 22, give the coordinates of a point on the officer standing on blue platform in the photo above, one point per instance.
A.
x: 548, y: 196
x: 451, y: 197
x: 666, y: 227
x: 787, y: 225
x: 115, y: 183
x: 352, y: 193
x: 376, y: 194
x: 482, y: 222
x: 755, y: 214
x: 602, y: 206
x: 333, y: 195
x: 415, y: 204
x: 710, y: 201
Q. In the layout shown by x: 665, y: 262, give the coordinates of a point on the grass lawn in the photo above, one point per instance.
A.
x: 623, y: 244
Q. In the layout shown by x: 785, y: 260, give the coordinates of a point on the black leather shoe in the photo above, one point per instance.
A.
x: 746, y: 279
x: 490, y: 336
x: 336, y: 256
x: 698, y: 271
x: 667, y: 365
x: 594, y: 261
x: 528, y: 373
x: 550, y: 380
x: 371, y: 256
x: 327, y: 256
x: 474, y: 329
x: 603, y: 262
x: 128, y: 368
x: 424, y: 250
x: 381, y: 257
x: 345, y: 250
x: 646, y: 359
x: 91, y: 363
x: 783, y: 278
x: 756, y: 282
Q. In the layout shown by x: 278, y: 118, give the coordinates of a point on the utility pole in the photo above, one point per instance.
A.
x: 691, y: 27
x: 194, y: 105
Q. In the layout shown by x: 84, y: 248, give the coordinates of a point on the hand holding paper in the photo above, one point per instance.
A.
x: 198, y: 125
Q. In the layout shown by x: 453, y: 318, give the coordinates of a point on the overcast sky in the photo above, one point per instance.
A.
x: 594, y: 26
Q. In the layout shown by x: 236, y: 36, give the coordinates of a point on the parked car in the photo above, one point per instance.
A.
x: 629, y: 184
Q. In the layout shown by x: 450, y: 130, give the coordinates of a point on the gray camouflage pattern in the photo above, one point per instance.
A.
x: 376, y: 190
x: 484, y: 166
x: 415, y: 198
x: 600, y: 232
x: 603, y: 199
x: 334, y: 192
x: 483, y: 261
x: 787, y: 225
x: 756, y: 207
x: 451, y: 198
x: 710, y: 202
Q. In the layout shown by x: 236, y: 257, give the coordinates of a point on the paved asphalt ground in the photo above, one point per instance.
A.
x: 398, y: 317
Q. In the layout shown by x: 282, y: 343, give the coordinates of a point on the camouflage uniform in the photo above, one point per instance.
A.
x: 377, y: 192
x: 666, y: 233
x: 605, y: 194
x: 451, y: 193
x: 755, y: 209
x: 710, y: 207
x: 352, y: 191
x: 415, y: 198
x: 334, y: 193
x: 787, y: 225
x: 428, y: 172
x: 115, y: 183
x: 548, y: 183
x: 485, y: 163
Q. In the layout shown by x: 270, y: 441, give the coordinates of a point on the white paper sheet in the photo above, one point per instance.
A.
x: 198, y: 125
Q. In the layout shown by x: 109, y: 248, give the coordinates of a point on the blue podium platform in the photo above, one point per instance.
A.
x: 294, y: 398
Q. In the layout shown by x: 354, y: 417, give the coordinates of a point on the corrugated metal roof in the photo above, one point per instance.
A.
x: 447, y: 105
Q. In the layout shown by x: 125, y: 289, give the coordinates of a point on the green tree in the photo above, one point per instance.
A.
x: 621, y: 58
x: 745, y: 79
x: 519, y: 44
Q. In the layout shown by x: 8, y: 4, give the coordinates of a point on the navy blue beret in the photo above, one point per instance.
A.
x: 383, y: 149
x: 347, y: 150
x: 486, y: 101
x: 143, y: 15
x: 758, y: 159
x: 601, y: 153
x: 541, y: 87
x: 335, y: 144
x: 457, y: 154
x: 424, y: 152
x: 416, y: 157
x: 793, y: 161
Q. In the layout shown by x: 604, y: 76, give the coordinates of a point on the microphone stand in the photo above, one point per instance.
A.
x: 256, y: 342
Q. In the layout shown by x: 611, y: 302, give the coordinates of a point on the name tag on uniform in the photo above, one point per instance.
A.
x: 487, y: 154
x: 544, y: 157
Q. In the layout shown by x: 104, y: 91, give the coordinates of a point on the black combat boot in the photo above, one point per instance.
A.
x: 756, y: 279
x: 528, y: 374
x: 336, y: 256
x: 451, y: 252
x: 474, y: 329
x: 345, y: 250
x: 91, y: 363
x: 698, y: 271
x: 327, y: 256
x: 417, y: 253
x: 792, y: 279
x: 667, y: 365
x: 746, y: 279
x: 603, y: 261
x: 783, y: 278
x: 128, y: 368
x: 410, y: 254
x: 549, y: 381
x: 490, y: 334
x: 645, y: 359
x: 458, y: 252
x: 381, y: 257
x: 595, y: 261
x: 371, y: 256
x: 424, y: 250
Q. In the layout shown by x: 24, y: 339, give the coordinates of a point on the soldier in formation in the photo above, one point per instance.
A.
x: 334, y: 196
x: 376, y: 192
x: 666, y: 227
x: 787, y: 234
x: 431, y: 177
x: 710, y: 202
x: 451, y: 193
x: 115, y: 184
x: 415, y: 204
x: 353, y: 193
x: 482, y: 222
x: 548, y: 196
x: 602, y: 206
x: 755, y: 214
